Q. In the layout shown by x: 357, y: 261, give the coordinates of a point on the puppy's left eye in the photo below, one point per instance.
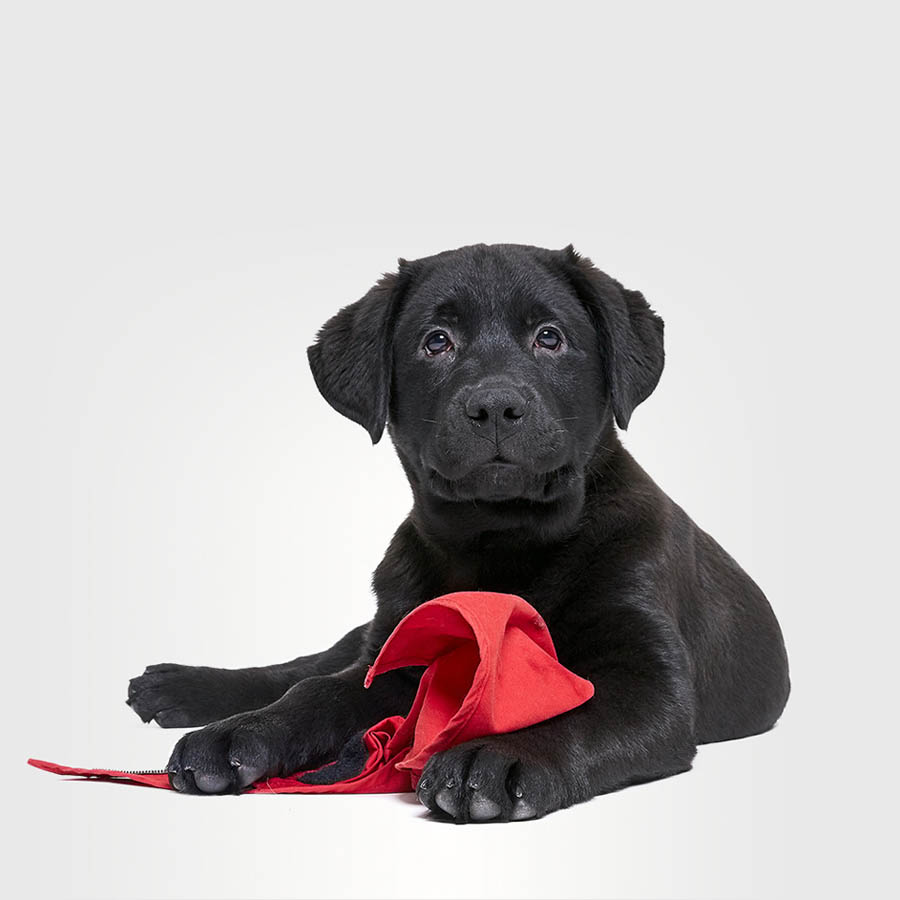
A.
x: 548, y: 339
x: 437, y: 342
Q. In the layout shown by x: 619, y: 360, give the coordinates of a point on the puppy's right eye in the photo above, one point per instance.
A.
x: 437, y: 342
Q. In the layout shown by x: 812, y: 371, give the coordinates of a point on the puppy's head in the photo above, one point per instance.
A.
x: 497, y: 368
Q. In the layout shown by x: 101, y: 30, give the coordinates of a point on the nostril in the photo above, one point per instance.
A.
x: 498, y: 405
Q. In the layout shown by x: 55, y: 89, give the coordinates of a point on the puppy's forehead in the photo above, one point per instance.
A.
x: 484, y: 283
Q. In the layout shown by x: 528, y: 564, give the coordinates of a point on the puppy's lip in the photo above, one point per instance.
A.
x: 499, y: 481
x: 499, y: 471
x: 497, y: 466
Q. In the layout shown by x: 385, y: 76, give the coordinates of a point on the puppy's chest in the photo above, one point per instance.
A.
x: 543, y: 582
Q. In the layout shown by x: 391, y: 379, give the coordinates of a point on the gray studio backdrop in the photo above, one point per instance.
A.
x: 191, y: 190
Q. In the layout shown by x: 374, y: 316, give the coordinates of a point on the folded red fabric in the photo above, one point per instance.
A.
x: 491, y: 668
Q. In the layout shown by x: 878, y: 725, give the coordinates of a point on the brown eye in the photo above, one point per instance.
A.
x: 548, y: 339
x: 437, y: 342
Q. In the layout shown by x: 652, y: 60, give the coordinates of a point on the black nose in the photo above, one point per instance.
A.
x: 500, y: 405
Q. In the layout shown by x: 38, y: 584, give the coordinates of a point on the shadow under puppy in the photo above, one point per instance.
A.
x: 501, y: 373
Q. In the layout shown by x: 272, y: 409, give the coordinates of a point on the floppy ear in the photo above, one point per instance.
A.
x: 351, y: 358
x: 631, y: 334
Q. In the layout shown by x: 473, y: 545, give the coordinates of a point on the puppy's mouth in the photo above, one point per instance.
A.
x: 500, y: 480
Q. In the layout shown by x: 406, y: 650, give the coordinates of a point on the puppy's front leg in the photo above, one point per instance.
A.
x: 178, y: 696
x: 303, y: 729
x: 638, y: 726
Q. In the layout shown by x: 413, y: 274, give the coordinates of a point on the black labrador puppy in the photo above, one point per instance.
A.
x: 501, y: 373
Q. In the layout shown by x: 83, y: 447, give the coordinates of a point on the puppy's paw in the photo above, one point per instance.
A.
x: 228, y: 756
x: 489, y: 780
x: 183, y: 696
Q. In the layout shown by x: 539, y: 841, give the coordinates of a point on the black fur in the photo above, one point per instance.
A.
x: 521, y: 485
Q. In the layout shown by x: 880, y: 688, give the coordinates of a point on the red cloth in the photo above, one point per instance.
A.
x: 492, y: 668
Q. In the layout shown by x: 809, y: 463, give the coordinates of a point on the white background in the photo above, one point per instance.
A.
x: 190, y: 190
